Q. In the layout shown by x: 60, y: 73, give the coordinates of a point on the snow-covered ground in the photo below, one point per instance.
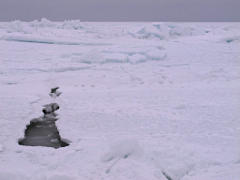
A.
x: 141, y: 101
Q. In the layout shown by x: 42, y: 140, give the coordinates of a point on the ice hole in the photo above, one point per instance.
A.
x: 43, y: 132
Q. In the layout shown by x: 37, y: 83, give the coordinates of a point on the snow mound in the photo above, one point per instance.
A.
x: 36, y: 25
x: 148, y: 32
x: 127, y: 156
x: 177, y: 30
x: 164, y: 31
x: 129, y: 55
x: 123, y: 149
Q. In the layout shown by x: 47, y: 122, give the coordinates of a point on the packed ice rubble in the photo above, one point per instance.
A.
x: 145, y: 42
x: 72, y: 32
x: 132, y: 55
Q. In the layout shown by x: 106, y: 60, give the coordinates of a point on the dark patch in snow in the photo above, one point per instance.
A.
x: 43, y: 131
x: 232, y: 39
x: 166, y: 175
x: 11, y: 83
x: 229, y: 40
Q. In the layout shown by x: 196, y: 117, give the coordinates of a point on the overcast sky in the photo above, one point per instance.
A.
x: 121, y: 10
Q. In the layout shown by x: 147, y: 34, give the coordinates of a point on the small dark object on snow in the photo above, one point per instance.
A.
x: 50, y: 108
x: 43, y: 131
x: 54, y: 92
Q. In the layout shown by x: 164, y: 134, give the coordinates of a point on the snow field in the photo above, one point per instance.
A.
x: 140, y: 101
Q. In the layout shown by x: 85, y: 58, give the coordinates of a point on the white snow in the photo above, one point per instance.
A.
x: 153, y: 101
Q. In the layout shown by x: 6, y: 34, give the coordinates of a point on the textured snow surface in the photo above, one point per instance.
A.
x: 141, y: 101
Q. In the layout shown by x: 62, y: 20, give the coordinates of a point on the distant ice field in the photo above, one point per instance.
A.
x: 141, y: 101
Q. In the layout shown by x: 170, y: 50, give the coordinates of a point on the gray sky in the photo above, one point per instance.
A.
x: 121, y: 10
